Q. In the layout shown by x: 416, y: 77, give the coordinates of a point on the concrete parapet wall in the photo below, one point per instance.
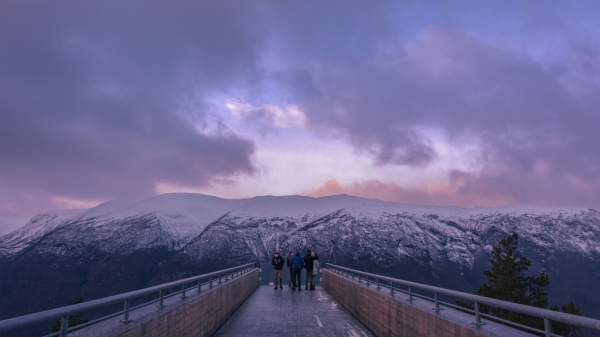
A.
x: 199, y: 314
x: 202, y: 316
x: 387, y: 316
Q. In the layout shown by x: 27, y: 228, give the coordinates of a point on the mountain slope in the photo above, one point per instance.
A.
x: 124, y: 245
x: 447, y: 246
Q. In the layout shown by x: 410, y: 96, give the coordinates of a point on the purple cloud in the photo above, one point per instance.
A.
x: 99, y: 101
x: 534, y: 124
x: 102, y: 101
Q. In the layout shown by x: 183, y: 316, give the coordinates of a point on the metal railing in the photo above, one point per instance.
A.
x: 548, y: 315
x: 64, y: 312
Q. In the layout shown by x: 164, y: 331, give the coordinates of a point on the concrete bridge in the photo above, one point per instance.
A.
x: 347, y: 303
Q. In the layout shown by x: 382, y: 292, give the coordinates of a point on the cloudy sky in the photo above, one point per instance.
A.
x: 468, y: 103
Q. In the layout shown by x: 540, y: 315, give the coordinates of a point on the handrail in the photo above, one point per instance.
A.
x: 547, y: 315
x: 31, y: 319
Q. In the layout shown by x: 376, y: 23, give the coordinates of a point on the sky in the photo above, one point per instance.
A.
x: 466, y: 103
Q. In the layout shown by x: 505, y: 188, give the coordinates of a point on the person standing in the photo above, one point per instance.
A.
x: 297, y: 263
x: 315, y: 271
x: 277, y: 263
x: 308, y: 260
x: 289, y: 268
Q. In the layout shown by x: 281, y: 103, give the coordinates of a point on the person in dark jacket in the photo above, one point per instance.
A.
x: 296, y: 263
x: 289, y: 268
x: 277, y: 263
x: 310, y: 278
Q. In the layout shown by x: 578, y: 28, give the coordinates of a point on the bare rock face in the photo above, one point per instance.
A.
x: 124, y: 245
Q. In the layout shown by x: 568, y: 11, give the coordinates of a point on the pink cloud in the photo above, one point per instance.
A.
x: 465, y: 190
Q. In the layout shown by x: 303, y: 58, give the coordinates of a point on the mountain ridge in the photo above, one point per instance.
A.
x: 125, y: 245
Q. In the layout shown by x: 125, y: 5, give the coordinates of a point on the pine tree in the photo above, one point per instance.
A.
x: 73, y: 319
x: 565, y: 329
x: 507, y: 282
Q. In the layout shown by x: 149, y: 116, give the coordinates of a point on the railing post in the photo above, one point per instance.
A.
x: 126, y: 312
x: 437, y: 304
x: 358, y: 277
x: 63, y: 313
x: 392, y: 286
x: 378, y: 284
x: 548, y: 327
x: 64, y: 326
x: 410, y: 297
x: 367, y: 281
x: 161, y: 294
x: 478, y: 321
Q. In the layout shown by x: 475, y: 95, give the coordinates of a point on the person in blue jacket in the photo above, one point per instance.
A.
x: 297, y: 263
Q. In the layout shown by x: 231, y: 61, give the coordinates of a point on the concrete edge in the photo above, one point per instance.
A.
x: 424, y: 307
x: 149, y: 312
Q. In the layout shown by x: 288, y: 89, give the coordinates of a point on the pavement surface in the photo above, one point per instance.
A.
x: 283, y: 312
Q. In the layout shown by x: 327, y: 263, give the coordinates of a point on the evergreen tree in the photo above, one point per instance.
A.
x: 73, y: 319
x: 507, y: 282
x: 565, y: 329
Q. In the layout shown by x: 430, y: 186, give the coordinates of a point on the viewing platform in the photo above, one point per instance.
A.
x: 233, y: 302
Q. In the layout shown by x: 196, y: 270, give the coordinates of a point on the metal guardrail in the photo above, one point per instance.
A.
x: 64, y: 312
x: 547, y: 315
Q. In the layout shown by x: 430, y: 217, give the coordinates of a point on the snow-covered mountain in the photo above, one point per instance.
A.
x: 123, y: 245
x: 408, y: 231
x: 122, y: 226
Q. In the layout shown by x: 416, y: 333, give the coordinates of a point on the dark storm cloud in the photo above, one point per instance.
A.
x: 98, y: 100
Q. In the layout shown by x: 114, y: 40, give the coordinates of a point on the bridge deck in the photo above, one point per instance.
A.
x: 269, y: 312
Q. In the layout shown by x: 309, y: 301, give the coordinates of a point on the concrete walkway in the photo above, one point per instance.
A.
x: 269, y: 312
